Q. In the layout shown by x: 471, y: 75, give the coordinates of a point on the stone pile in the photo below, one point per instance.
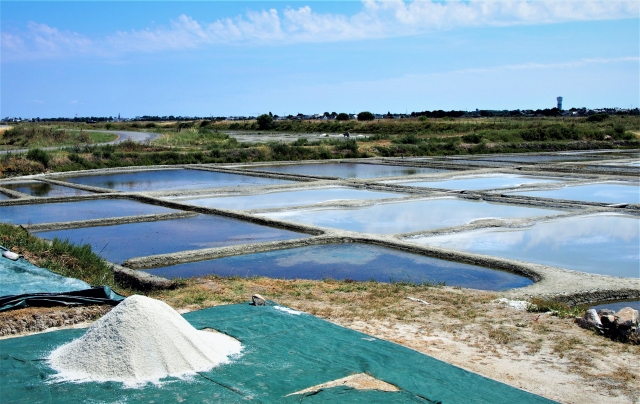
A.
x: 620, y: 326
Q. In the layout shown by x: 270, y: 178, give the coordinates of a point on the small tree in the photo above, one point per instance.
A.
x: 265, y: 121
x: 366, y: 116
x: 342, y: 117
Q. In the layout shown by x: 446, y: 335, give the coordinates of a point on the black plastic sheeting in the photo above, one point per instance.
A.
x: 93, y: 296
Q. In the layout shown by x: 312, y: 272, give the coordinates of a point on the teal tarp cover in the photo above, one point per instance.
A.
x: 283, y: 353
x: 23, y: 284
x: 21, y: 277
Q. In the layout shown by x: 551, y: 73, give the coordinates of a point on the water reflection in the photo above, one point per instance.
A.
x: 411, y: 216
x: 617, y: 306
x: 350, y: 261
x: 603, y: 192
x: 480, y: 182
x: 171, y: 179
x: 44, y: 189
x: 349, y: 170
x: 121, y: 242
x: 72, y: 211
x: 290, y: 198
x: 602, y: 244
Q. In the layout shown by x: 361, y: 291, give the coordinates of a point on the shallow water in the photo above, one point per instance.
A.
x: 348, y: 170
x: 359, y: 262
x: 72, y: 211
x: 542, y: 158
x: 288, y: 198
x: 480, y: 182
x: 601, y: 244
x: 403, y: 217
x: 4, y: 197
x: 479, y: 162
x: 121, y: 242
x: 171, y: 179
x: 44, y: 189
x: 617, y: 306
x: 602, y: 192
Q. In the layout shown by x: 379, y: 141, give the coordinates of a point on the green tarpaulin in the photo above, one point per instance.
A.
x: 22, y: 277
x: 283, y: 353
x: 23, y: 284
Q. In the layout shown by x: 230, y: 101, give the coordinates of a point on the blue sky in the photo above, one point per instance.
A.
x: 245, y: 58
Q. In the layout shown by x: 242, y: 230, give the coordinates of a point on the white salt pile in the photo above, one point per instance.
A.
x: 141, y: 340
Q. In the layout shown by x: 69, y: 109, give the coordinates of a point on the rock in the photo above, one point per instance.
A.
x: 608, y: 319
x: 258, y: 300
x: 627, y: 317
x: 591, y: 317
x: 606, y: 312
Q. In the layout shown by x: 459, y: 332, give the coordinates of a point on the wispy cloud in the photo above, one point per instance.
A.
x: 539, y: 66
x: 376, y: 19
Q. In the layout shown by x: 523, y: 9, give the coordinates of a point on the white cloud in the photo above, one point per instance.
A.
x: 376, y: 19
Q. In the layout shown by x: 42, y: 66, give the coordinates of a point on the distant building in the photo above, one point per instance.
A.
x: 559, y: 99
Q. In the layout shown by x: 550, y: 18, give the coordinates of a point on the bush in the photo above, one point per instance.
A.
x: 409, y: 139
x: 472, y: 138
x: 39, y: 155
x: 265, y: 122
x: 342, y: 117
x: 366, y: 116
x: 302, y: 141
x: 598, y: 118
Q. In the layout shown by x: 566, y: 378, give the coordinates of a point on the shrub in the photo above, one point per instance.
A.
x: 265, y: 122
x: 342, y: 117
x: 597, y: 118
x: 409, y: 139
x: 366, y: 116
x: 39, y: 155
x: 472, y: 138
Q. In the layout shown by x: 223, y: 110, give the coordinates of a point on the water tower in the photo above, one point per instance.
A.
x: 559, y: 103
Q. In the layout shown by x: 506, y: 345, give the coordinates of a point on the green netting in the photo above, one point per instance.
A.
x: 283, y: 353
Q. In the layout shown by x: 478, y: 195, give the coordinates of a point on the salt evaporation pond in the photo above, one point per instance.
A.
x: 43, y: 189
x: 120, y: 242
x: 4, y: 197
x: 480, y: 182
x: 348, y: 170
x: 606, y: 244
x: 171, y: 179
x: 617, y: 306
x: 79, y: 210
x: 542, y: 158
x: 359, y: 262
x: 288, y: 198
x: 404, y: 217
x: 602, y: 192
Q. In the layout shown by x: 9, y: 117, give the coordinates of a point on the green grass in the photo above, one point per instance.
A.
x: 35, y: 136
x: 559, y: 309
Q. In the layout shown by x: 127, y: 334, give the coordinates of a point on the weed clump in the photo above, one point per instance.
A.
x: 39, y: 155
x: 559, y: 309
